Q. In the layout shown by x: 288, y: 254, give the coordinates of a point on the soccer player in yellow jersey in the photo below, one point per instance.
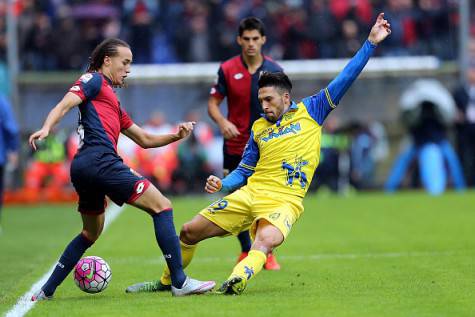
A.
x: 275, y: 171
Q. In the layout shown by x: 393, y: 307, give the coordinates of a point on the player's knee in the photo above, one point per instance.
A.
x: 188, y: 235
x: 160, y: 205
x: 266, y: 242
x: 91, y: 235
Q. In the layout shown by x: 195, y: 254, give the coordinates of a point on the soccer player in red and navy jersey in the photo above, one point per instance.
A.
x: 98, y: 171
x: 237, y: 82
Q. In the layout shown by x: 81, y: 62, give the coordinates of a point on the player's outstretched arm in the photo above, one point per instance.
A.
x: 338, y: 87
x: 147, y: 140
x: 69, y: 101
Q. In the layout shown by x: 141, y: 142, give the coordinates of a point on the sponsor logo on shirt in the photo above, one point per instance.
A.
x: 238, y: 76
x: 140, y: 188
x: 274, y: 133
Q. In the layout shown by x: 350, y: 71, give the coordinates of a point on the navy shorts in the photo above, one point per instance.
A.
x: 99, y: 174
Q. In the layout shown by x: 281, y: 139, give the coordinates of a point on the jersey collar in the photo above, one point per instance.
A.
x: 292, y: 106
x: 247, y: 67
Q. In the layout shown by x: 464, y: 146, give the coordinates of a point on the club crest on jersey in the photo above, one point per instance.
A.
x: 294, y: 172
x: 85, y: 78
x: 274, y: 133
x: 289, y: 114
x: 238, y: 76
x: 274, y: 215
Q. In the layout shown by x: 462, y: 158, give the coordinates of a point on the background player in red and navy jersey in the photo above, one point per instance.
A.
x: 237, y: 81
x: 98, y: 171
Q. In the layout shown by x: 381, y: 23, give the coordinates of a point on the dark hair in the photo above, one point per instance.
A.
x: 108, y: 47
x: 251, y: 23
x: 278, y: 80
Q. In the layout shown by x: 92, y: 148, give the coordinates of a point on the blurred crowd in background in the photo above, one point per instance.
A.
x: 440, y: 130
x: 59, y: 34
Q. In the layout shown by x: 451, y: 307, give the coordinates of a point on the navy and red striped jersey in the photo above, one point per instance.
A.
x: 240, y: 88
x: 101, y: 118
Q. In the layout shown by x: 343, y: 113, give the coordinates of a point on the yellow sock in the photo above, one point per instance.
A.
x: 251, y: 265
x: 187, y: 253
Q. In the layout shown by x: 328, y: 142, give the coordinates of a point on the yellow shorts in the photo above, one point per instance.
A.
x: 242, y: 210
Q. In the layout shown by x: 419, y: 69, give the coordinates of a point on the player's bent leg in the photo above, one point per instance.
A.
x: 267, y: 238
x: 92, y: 228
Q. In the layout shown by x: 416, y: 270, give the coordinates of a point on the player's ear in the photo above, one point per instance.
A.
x: 264, y: 39
x: 107, y: 60
x: 286, y: 98
x: 239, y: 40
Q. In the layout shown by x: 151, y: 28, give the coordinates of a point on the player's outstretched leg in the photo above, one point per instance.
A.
x: 164, y: 283
x: 93, y: 225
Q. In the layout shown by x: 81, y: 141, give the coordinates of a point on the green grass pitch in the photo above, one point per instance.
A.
x: 366, y: 255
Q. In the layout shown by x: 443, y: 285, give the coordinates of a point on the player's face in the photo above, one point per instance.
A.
x: 119, y: 65
x: 273, y: 103
x: 251, y: 42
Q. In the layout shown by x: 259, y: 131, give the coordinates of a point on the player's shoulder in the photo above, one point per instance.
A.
x: 260, y: 124
x: 90, y: 79
x: 232, y: 62
x: 272, y: 65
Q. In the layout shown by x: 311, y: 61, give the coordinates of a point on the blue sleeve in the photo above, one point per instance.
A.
x: 91, y: 84
x: 239, y: 176
x: 322, y: 103
x: 9, y: 127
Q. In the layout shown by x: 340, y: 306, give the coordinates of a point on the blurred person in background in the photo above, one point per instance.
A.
x: 47, y: 173
x: 465, y: 100
x: 157, y: 164
x: 333, y: 169
x: 192, y: 155
x: 237, y: 82
x: 9, y: 143
x: 428, y: 111
x: 465, y: 120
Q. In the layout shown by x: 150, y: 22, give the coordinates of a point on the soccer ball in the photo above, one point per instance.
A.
x: 92, y: 274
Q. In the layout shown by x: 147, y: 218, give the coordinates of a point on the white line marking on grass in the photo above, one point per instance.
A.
x: 310, y: 257
x: 24, y: 303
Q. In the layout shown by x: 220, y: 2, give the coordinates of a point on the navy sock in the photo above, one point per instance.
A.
x: 245, y: 240
x: 170, y: 245
x: 66, y: 263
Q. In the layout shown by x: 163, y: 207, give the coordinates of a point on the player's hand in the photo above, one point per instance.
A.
x: 213, y: 184
x: 185, y: 129
x: 39, y: 135
x: 380, y: 30
x: 229, y: 130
